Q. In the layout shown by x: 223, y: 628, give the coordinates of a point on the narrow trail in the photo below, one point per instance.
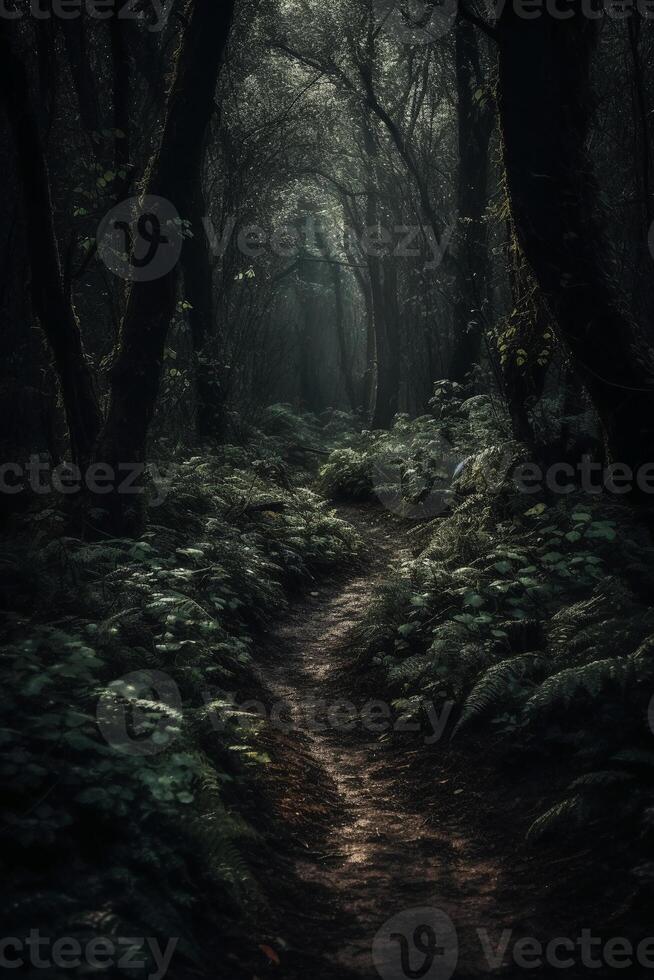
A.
x: 386, y: 851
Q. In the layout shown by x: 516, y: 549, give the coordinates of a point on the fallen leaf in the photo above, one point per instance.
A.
x: 271, y: 954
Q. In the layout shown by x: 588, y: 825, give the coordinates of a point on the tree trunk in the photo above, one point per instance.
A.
x: 136, y: 372
x: 84, y: 80
x: 525, y: 345
x: 368, y: 380
x: 475, y: 122
x: 52, y: 305
x: 362, y: 276
x: 121, y: 88
x: 544, y: 96
x: 344, y: 355
x: 643, y: 289
x: 383, y: 277
x: 383, y: 296
x: 198, y: 285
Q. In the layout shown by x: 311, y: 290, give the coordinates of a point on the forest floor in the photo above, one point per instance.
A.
x: 384, y: 829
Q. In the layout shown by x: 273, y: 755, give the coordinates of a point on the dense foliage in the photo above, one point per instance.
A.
x: 532, y: 614
x: 101, y: 840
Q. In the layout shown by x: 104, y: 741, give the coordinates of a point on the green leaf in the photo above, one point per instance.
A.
x: 503, y: 566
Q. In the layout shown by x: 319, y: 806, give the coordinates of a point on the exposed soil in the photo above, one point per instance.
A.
x: 383, y: 828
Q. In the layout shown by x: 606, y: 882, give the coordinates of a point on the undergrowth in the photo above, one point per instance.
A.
x: 410, y: 468
x: 127, y: 809
x: 533, y: 614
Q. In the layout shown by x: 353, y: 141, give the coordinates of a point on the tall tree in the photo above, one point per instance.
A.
x: 136, y: 369
x: 545, y: 106
x: 344, y: 352
x: 52, y: 304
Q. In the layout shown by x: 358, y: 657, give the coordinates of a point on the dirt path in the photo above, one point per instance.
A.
x: 374, y: 851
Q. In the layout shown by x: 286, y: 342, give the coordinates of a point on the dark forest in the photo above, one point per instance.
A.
x: 327, y: 489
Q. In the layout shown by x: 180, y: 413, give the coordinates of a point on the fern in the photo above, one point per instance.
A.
x: 604, y: 779
x: 409, y: 670
x: 563, y: 818
x: 559, y: 691
x: 497, y: 687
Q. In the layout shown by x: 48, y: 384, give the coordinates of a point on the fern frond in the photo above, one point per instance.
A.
x: 411, y: 669
x: 601, y: 779
x: 497, y: 686
x: 559, y: 691
x: 564, y: 817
